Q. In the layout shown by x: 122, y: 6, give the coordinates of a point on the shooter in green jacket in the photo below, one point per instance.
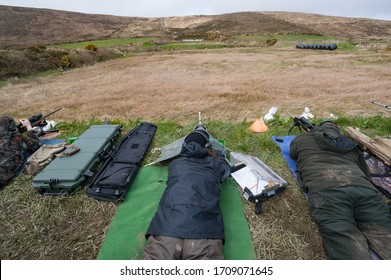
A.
x: 352, y: 216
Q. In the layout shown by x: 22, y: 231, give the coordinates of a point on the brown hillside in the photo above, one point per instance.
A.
x: 350, y: 28
x: 31, y: 26
x: 227, y: 24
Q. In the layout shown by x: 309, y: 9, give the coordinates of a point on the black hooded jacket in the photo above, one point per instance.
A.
x: 189, y: 207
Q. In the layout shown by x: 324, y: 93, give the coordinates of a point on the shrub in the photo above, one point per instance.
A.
x: 13, y: 64
x: 91, y: 47
x: 65, y: 61
x: 105, y: 54
x: 271, y: 42
x: 36, y: 48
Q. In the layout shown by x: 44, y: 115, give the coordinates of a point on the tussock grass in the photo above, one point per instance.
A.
x: 74, y: 226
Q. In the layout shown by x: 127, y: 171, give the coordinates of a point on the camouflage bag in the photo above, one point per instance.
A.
x: 9, y: 160
x: 380, y: 174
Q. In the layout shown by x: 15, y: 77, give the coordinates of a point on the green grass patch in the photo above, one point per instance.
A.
x: 293, y: 39
x: 287, y: 37
x: 346, y: 46
x: 104, y: 43
x: 3, y: 83
x: 42, y: 74
x: 181, y: 46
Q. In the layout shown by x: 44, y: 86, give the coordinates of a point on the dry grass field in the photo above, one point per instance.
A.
x: 230, y: 85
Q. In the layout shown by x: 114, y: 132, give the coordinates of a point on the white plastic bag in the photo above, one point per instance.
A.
x: 269, y: 116
x: 307, y: 114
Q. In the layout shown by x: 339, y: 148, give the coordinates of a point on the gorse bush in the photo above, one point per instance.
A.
x: 65, y: 61
x: 271, y: 42
x: 91, y: 47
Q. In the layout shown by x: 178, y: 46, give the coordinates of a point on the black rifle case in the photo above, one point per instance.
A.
x: 118, y: 172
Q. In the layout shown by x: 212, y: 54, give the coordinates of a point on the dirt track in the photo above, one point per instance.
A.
x: 230, y: 85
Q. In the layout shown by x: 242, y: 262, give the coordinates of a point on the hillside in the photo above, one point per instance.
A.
x: 259, y: 23
x: 30, y: 26
x: 51, y: 26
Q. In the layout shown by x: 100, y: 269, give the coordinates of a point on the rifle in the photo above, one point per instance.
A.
x: 200, y: 124
x: 301, y: 123
x: 36, y: 120
x: 383, y: 105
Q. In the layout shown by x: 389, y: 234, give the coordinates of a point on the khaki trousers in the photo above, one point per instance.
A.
x: 171, y: 248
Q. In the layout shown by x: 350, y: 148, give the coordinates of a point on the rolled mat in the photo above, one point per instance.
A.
x: 125, y: 237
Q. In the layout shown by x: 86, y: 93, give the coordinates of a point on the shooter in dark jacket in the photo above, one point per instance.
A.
x: 188, y: 223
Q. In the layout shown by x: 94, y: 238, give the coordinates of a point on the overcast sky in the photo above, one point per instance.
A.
x: 376, y: 9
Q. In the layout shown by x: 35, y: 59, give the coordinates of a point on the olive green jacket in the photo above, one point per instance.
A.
x: 327, y: 159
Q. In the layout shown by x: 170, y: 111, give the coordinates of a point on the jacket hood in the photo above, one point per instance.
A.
x: 330, y: 129
x: 329, y: 138
x: 193, y: 149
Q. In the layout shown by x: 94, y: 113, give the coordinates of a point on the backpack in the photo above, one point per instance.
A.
x: 9, y: 158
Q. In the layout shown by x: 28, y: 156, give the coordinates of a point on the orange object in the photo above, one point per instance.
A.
x: 258, y: 126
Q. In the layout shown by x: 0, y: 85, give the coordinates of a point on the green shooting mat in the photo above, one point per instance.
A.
x: 125, y: 237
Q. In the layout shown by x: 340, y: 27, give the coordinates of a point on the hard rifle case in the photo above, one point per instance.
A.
x: 116, y: 175
x: 65, y: 174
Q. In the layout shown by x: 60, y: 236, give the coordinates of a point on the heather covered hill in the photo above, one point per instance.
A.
x: 30, y: 26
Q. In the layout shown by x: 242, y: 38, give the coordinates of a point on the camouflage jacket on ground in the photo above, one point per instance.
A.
x: 14, y: 147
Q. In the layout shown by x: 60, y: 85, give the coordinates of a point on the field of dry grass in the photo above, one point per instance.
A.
x: 225, y: 85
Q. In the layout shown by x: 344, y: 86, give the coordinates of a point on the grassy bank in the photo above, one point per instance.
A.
x: 74, y: 226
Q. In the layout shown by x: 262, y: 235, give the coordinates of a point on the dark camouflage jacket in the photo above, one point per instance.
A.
x: 13, y: 148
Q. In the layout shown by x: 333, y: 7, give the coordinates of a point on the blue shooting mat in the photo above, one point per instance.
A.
x: 51, y: 141
x: 284, y: 143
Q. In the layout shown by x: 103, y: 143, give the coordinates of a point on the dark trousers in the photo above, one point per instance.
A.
x: 170, y: 248
x: 352, y: 220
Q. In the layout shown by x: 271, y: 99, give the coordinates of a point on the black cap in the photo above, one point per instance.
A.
x: 199, y: 136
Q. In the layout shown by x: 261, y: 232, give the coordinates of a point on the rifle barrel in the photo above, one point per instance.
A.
x: 23, y: 129
x: 51, y: 113
x: 381, y: 104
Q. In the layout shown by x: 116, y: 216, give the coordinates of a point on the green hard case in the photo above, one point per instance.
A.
x: 64, y: 175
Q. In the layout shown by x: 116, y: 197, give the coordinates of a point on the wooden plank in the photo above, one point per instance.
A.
x: 379, y: 146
